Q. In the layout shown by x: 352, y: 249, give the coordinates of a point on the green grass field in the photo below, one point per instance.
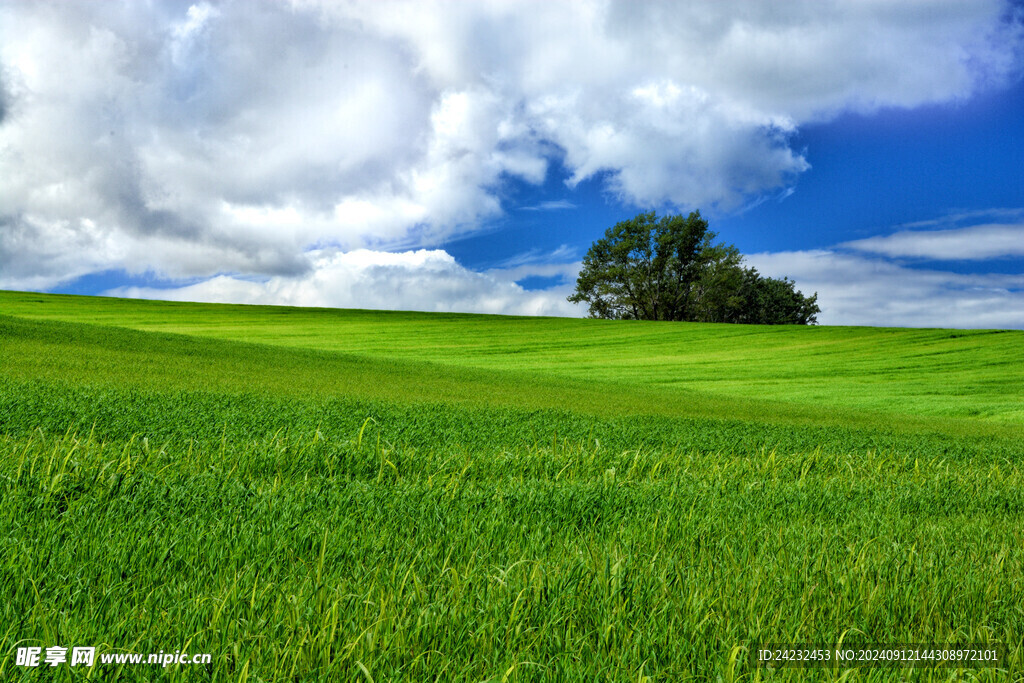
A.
x: 352, y: 495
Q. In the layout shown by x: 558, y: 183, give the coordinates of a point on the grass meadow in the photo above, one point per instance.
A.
x: 324, y: 495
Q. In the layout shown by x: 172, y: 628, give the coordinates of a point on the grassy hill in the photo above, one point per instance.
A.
x: 956, y: 373
x: 342, y: 495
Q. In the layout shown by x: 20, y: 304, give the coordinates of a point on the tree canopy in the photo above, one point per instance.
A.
x: 670, y: 268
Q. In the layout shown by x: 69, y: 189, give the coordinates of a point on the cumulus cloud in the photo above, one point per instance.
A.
x: 421, y: 280
x: 234, y: 137
x: 853, y: 287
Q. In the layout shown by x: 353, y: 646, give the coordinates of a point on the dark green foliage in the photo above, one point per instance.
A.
x: 645, y: 268
x: 670, y: 268
x: 770, y: 301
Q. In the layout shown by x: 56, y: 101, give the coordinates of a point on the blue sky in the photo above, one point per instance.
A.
x: 463, y: 156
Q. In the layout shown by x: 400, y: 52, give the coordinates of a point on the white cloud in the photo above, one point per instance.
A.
x: 975, y: 242
x: 235, y: 136
x: 554, y: 205
x: 856, y: 289
x: 853, y: 288
x: 422, y: 280
x: 869, y: 281
x: 1005, y: 215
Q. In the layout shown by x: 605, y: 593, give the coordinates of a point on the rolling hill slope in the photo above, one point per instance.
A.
x: 921, y: 372
x: 354, y: 495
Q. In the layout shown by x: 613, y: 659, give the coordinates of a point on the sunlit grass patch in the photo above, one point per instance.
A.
x: 304, y: 513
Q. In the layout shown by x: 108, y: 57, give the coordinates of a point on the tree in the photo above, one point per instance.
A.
x: 645, y: 268
x: 770, y: 301
x: 670, y: 268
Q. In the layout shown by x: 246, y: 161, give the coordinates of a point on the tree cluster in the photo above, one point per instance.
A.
x: 670, y: 268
